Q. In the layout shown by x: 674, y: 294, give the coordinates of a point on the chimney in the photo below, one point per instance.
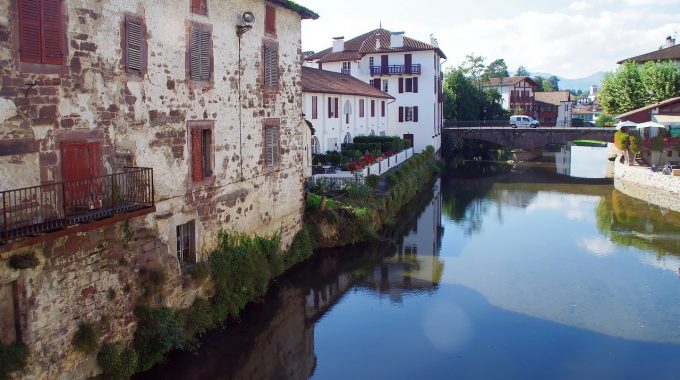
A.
x: 397, y: 40
x: 338, y: 44
x: 378, y: 46
x: 670, y: 41
x: 433, y: 41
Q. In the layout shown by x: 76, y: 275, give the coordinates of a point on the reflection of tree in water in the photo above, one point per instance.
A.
x: 628, y: 221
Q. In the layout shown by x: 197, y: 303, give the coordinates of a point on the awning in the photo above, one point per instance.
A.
x: 667, y: 119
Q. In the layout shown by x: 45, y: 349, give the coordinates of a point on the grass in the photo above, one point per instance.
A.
x: 596, y: 143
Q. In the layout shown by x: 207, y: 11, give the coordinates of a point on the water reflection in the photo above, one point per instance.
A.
x: 582, y: 161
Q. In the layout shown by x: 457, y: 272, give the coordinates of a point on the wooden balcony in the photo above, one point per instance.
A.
x: 45, y: 208
x: 396, y: 70
x: 521, y: 99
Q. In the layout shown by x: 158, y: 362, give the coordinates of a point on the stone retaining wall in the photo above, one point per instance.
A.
x: 653, y: 187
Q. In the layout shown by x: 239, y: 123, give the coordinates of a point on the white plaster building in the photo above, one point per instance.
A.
x: 517, y: 94
x: 341, y: 107
x: 405, y: 68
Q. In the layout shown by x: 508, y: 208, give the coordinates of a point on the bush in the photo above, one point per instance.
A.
x: 158, y: 332
x: 24, y: 261
x: 198, y: 271
x: 621, y: 140
x: 372, y: 181
x: 356, y: 190
x: 197, y: 319
x: 86, y: 338
x: 313, y: 202
x: 301, y: 248
x: 13, y: 358
x: 635, y: 143
x: 117, y: 362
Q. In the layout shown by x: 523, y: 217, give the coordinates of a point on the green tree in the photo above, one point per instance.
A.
x: 539, y: 83
x: 522, y: 72
x: 554, y: 82
x: 605, y: 120
x: 497, y: 69
x: 661, y: 80
x: 473, y: 67
x: 623, y: 90
x: 462, y: 100
x: 548, y: 86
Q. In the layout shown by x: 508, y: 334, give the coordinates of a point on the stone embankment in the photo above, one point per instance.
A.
x: 654, y: 187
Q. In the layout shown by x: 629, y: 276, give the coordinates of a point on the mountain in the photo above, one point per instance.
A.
x: 576, y: 84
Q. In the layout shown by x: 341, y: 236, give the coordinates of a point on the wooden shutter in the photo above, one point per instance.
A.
x: 336, y: 114
x: 206, y: 154
x: 52, y: 51
x: 382, y: 108
x: 270, y: 20
x: 384, y: 64
x: 330, y: 109
x: 271, y: 143
x: 377, y: 83
x: 134, y: 40
x: 415, y: 114
x: 196, y: 154
x: 401, y: 85
x: 199, y: 51
x: 401, y: 114
x: 271, y: 66
x: 29, y: 31
x: 361, y: 108
x: 314, y: 107
x: 415, y: 84
x: 408, y: 64
x: 372, y: 108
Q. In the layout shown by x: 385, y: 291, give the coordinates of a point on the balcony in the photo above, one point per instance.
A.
x: 346, y: 71
x: 45, y: 208
x: 521, y: 99
x: 395, y: 70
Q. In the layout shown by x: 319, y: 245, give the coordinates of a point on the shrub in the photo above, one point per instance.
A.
x: 158, y: 332
x: 86, y: 338
x: 197, y: 319
x: 356, y: 190
x: 24, y: 261
x: 313, y: 202
x: 117, y: 362
x: 301, y: 248
x: 13, y: 358
x: 635, y: 143
x: 372, y: 181
x: 621, y: 140
x: 658, y: 143
x: 198, y: 271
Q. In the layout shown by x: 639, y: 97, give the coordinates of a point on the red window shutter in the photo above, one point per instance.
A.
x: 401, y: 114
x: 270, y: 20
x: 372, y: 108
x: 401, y: 85
x: 377, y: 83
x: 52, y: 50
x: 382, y: 108
x: 94, y: 151
x: 361, y: 108
x: 408, y: 63
x: 415, y: 84
x: 337, y: 100
x: 314, y: 107
x: 196, y: 154
x: 29, y: 31
x: 415, y: 114
x: 199, y: 6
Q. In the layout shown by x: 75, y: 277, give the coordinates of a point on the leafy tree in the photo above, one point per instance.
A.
x: 539, y: 83
x: 473, y: 67
x: 548, y: 86
x: 522, y: 72
x: 605, y: 120
x: 497, y: 69
x: 661, y: 80
x: 462, y: 101
x: 623, y: 90
x: 555, y: 82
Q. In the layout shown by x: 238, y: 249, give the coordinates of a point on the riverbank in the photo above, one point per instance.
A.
x: 653, y: 187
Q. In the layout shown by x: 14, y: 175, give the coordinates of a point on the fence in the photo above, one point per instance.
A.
x: 388, y: 163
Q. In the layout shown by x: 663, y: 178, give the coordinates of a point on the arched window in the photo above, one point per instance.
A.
x: 348, y: 138
x: 347, y: 111
x: 315, y: 145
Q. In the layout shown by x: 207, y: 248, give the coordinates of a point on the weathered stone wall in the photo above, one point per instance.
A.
x: 653, y: 187
x: 99, y: 276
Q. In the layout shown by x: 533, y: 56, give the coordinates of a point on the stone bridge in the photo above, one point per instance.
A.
x: 526, y: 138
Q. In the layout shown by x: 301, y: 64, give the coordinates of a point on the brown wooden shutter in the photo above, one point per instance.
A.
x: 377, y: 83
x: 384, y: 64
x: 382, y: 108
x: 401, y: 114
x: 401, y: 85
x: 134, y: 40
x: 361, y: 108
x: 330, y: 108
x: 415, y: 84
x: 337, y: 100
x: 270, y: 20
x: 29, y: 31
x: 52, y: 51
x: 314, y: 107
x: 271, y: 66
x: 200, y: 66
x: 271, y: 146
x: 372, y: 108
x: 415, y: 114
x: 206, y: 64
x: 408, y: 64
x: 206, y: 144
x: 196, y: 154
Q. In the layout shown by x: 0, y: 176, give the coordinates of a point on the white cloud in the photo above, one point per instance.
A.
x: 580, y: 5
x: 597, y: 246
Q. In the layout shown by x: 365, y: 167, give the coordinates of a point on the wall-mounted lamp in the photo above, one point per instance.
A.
x: 246, y: 19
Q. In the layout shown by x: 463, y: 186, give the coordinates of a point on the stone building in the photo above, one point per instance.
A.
x: 131, y: 132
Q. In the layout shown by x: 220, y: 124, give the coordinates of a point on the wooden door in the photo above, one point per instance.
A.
x: 80, y: 165
x: 409, y: 137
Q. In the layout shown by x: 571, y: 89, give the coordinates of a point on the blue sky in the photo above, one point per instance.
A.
x: 569, y: 38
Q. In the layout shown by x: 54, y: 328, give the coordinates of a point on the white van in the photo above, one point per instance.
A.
x: 523, y: 121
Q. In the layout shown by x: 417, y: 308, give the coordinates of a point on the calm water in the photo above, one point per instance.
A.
x: 524, y: 275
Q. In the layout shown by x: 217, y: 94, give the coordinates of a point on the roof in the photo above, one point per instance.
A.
x: 554, y: 97
x: 672, y: 53
x: 328, y: 82
x: 507, y: 81
x: 359, y: 46
x: 304, y: 12
x: 666, y: 119
x: 651, y: 106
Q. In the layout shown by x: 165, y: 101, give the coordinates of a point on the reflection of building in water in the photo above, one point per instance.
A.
x: 582, y: 161
x: 563, y: 161
x: 319, y: 299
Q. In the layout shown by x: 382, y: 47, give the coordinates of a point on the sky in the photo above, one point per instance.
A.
x: 568, y: 38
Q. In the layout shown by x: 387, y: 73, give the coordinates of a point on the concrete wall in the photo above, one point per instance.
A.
x: 142, y: 121
x: 653, y: 187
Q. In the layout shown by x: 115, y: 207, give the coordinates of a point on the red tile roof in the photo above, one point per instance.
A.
x: 359, y: 46
x: 328, y: 82
x: 554, y: 97
x: 507, y: 81
x: 669, y: 53
x: 649, y: 107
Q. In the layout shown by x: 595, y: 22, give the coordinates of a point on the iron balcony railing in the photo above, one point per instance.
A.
x: 395, y: 70
x: 346, y: 71
x: 39, y: 209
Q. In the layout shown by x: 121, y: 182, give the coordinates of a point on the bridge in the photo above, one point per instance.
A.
x: 500, y: 132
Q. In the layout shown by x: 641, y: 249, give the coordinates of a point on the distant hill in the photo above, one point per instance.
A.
x: 576, y: 84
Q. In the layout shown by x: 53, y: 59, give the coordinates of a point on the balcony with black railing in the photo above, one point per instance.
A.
x: 396, y: 70
x: 45, y: 208
x: 346, y: 71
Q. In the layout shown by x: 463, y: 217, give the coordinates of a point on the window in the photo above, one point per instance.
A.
x: 316, y: 146
x: 371, y: 82
x: 361, y: 108
x: 200, y: 53
x: 202, y: 150
x: 270, y: 19
x: 347, y: 67
x: 333, y: 108
x: 40, y: 32
x: 372, y: 108
x: 384, y: 86
x: 199, y: 6
x: 315, y: 105
x: 382, y: 108
x: 270, y: 57
x: 408, y: 114
x: 134, y: 43
x: 347, y: 111
x: 347, y: 139
x: 271, y: 144
x: 371, y: 62
x: 669, y: 153
x: 186, y: 243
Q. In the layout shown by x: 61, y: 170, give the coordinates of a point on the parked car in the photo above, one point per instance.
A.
x: 523, y: 121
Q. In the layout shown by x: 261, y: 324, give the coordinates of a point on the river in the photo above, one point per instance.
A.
x: 519, y: 274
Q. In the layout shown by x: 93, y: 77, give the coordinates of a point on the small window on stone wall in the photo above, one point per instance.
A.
x: 9, y: 332
x: 186, y: 243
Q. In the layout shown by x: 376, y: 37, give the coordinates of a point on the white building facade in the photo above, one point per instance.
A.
x: 407, y: 69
